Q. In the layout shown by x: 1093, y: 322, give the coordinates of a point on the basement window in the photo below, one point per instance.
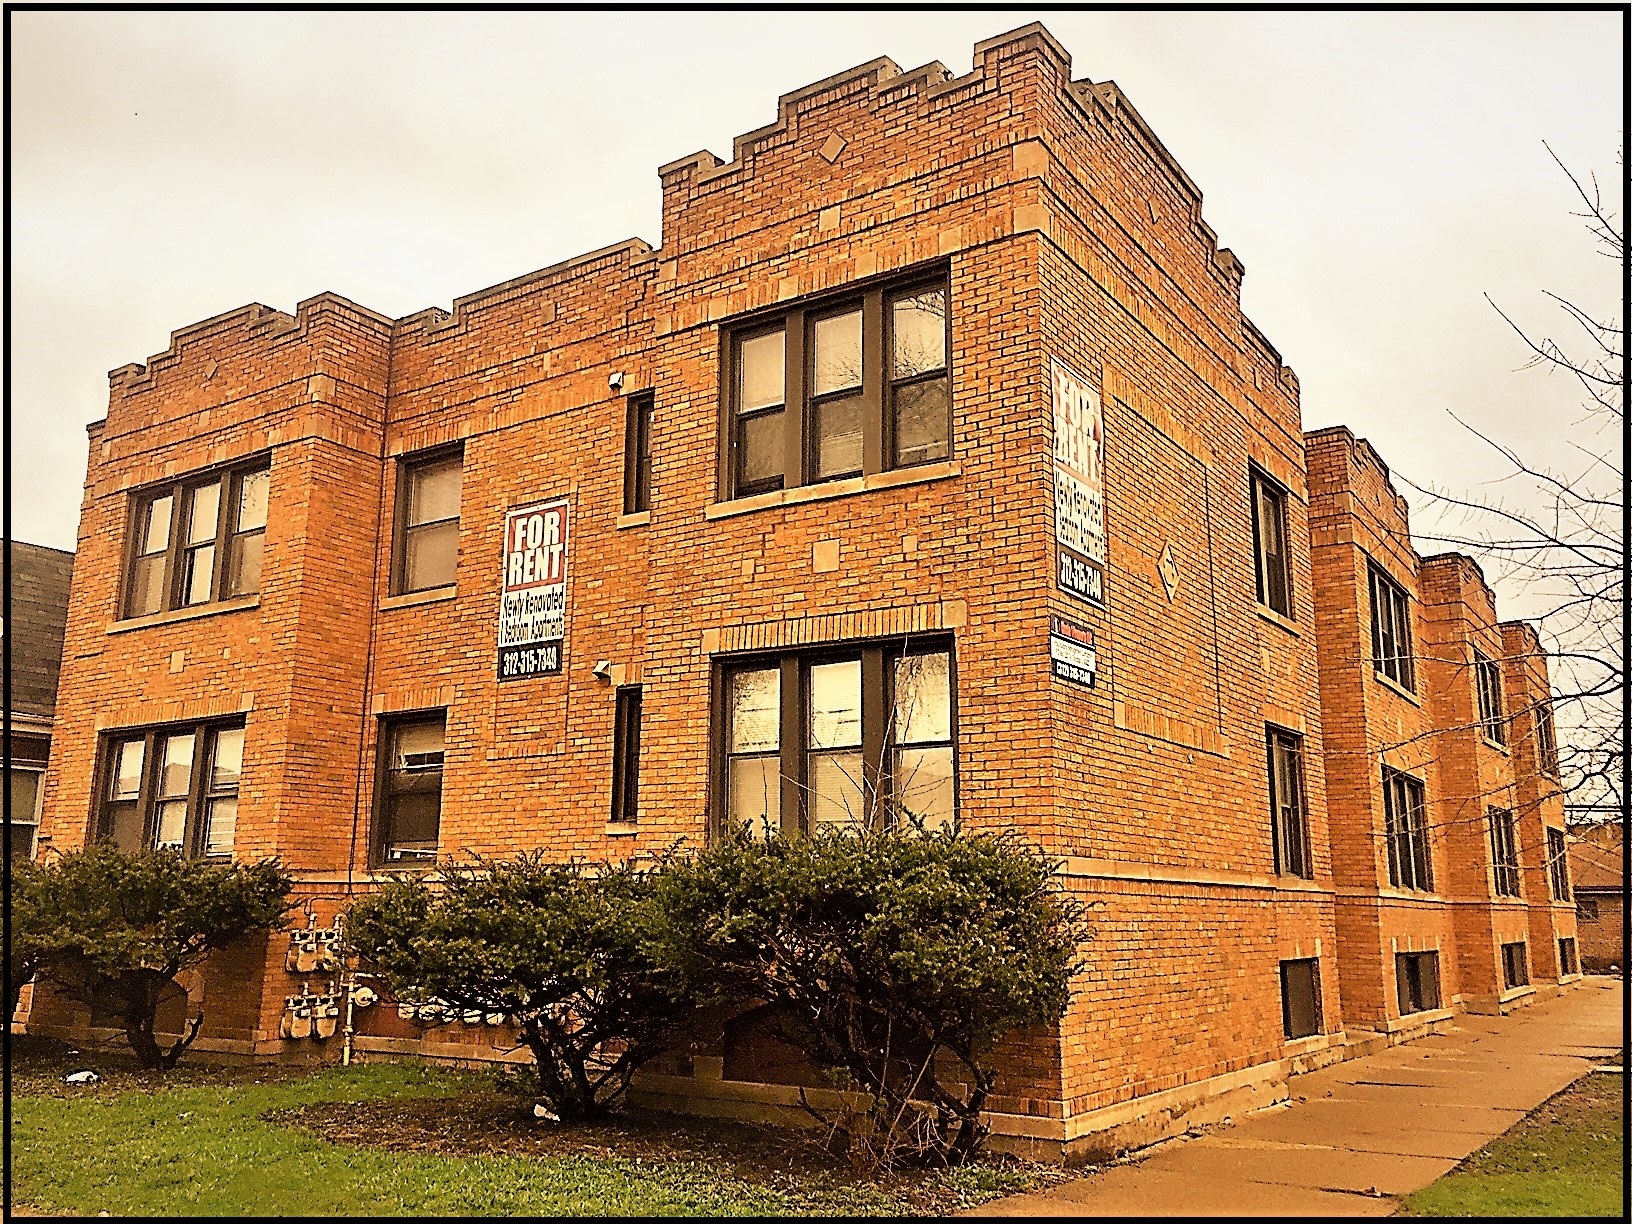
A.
x: 1416, y: 976
x: 1567, y: 961
x: 1300, y: 998
x: 1515, y: 965
x: 197, y: 541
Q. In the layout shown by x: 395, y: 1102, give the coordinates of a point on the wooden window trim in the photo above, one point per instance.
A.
x: 1392, y: 648
x: 204, y: 734
x: 228, y: 478
x: 385, y: 729
x: 1488, y: 690
x: 637, y: 452
x: 1504, y: 852
x: 407, y: 465
x: 1420, y: 1000
x: 1407, y: 831
x: 1261, y: 485
x: 1297, y: 965
x: 1294, y: 859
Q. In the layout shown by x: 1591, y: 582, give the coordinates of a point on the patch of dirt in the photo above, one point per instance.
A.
x: 40, y: 1064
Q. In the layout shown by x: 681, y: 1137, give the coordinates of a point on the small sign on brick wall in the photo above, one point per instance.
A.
x: 1079, y: 493
x: 1071, y: 652
x: 533, y: 596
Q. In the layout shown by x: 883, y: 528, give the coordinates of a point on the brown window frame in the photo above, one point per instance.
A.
x: 1569, y: 956
x: 177, y: 553
x: 879, y: 748
x: 29, y: 755
x: 1487, y: 677
x: 878, y: 392
x: 1410, y: 854
x: 1515, y: 959
x: 1504, y: 852
x: 637, y: 452
x: 1391, y: 639
x: 200, y: 793
x: 1558, y: 865
x: 407, y: 467
x: 1289, y: 828
x: 380, y: 845
x: 626, y: 754
x: 1416, y: 982
x: 1273, y: 570
x: 1315, y: 1023
x: 1546, y: 738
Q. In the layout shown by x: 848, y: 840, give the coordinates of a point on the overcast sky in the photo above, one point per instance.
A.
x: 1377, y: 173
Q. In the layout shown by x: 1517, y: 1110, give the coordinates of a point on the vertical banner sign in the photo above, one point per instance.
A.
x: 533, y: 598
x: 1079, y: 493
x: 1071, y: 653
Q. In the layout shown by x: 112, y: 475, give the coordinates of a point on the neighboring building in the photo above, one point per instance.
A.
x: 929, y: 463
x: 40, y: 580
x: 1597, y: 863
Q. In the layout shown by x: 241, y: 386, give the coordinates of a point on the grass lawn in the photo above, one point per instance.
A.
x: 1565, y: 1159
x: 202, y: 1143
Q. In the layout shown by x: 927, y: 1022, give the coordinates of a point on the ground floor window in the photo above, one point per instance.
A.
x: 408, y: 811
x: 172, y: 787
x: 1567, y: 962
x: 1515, y: 965
x: 25, y: 784
x: 1417, y: 980
x: 864, y: 736
x: 1586, y: 909
x: 1300, y: 997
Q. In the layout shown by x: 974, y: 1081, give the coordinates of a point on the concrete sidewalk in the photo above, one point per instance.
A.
x: 1358, y: 1135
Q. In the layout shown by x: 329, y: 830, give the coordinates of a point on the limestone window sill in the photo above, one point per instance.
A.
x: 831, y: 489
x: 218, y: 608
x: 415, y: 598
x: 1518, y: 992
x: 621, y: 828
x: 1417, y: 1020
x: 639, y: 518
x: 1265, y: 612
x: 1494, y: 746
x: 1397, y: 687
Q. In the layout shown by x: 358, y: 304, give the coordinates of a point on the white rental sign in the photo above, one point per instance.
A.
x: 533, y: 599
x: 1079, y: 492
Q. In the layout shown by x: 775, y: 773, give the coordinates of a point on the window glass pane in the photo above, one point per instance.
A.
x: 412, y: 826
x: 172, y: 825
x: 921, y: 423
x: 201, y: 514
x: 835, y: 789
x: 418, y: 746
x: 923, y: 786
x: 252, y: 488
x: 21, y: 837
x: 222, y: 826
x: 127, y: 769
x: 122, y: 825
x: 838, y: 437
x: 761, y: 458
x: 24, y: 787
x: 200, y: 574
x: 923, y: 699
x: 227, y: 760
x: 755, y: 793
x: 433, y: 492
x: 147, y: 586
x: 835, y: 704
x: 836, y: 357
x: 756, y: 711
x: 431, y: 556
x: 761, y: 379
x: 918, y: 330
x: 156, y: 532
x: 244, y: 566
x: 177, y: 774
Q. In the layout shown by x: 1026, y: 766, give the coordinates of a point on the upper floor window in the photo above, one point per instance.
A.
x: 637, y: 454
x: 839, y: 739
x: 1274, y: 565
x: 1288, y: 814
x: 1488, y: 680
x: 427, y: 534
x: 1546, y: 739
x: 172, y: 787
x: 837, y: 389
x: 408, y: 813
x: 1409, y: 861
x: 198, y: 541
x: 1391, y: 630
x: 1504, y: 853
x: 1558, y: 865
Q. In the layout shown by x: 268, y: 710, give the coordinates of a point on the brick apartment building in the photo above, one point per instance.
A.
x: 928, y: 462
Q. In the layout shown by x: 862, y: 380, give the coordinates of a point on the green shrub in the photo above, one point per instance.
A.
x: 565, y: 952
x: 113, y: 929
x: 896, y: 960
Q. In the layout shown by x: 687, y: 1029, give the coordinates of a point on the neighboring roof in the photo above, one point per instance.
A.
x: 1597, y: 852
x: 39, y: 610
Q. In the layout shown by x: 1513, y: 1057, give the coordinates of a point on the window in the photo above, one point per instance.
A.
x: 818, y: 739
x: 198, y: 541
x: 409, y: 819
x: 1558, y: 865
x: 427, y: 522
x: 626, y: 755
x: 1300, y: 998
x: 838, y: 389
x: 1586, y: 909
x: 1488, y: 678
x: 1515, y: 965
x: 173, y: 787
x: 1391, y: 630
x: 1546, y: 739
x: 1273, y: 563
x: 25, y: 782
x: 1567, y: 962
x: 1286, y: 804
x: 1416, y: 978
x: 637, y: 453
x: 1504, y: 853
x: 1409, y: 863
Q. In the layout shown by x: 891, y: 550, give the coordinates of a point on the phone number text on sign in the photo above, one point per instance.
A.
x: 533, y: 596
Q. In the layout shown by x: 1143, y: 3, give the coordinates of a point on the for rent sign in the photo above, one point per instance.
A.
x: 1079, y: 491
x: 533, y: 601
